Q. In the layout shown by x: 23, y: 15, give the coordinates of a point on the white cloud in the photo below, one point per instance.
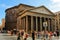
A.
x: 55, y: 8
x: 55, y: 1
x: 55, y: 5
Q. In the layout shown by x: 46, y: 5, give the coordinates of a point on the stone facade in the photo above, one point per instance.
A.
x: 3, y: 24
x: 58, y: 19
x: 11, y: 17
x: 33, y: 19
x: 12, y: 14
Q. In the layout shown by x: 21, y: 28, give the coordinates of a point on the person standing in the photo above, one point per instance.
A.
x: 33, y: 35
x: 22, y: 33
x: 18, y: 38
x: 54, y: 34
x: 57, y: 32
x: 25, y: 36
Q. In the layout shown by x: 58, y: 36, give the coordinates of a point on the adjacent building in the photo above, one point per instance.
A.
x: 2, y: 25
x: 58, y: 19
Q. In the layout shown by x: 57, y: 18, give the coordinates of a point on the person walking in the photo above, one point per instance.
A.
x: 50, y: 35
x: 57, y: 32
x: 25, y: 36
x: 38, y: 34
x: 33, y: 35
x: 54, y: 34
x: 18, y: 38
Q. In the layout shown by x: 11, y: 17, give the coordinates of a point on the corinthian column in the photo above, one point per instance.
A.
x: 48, y: 24
x: 51, y: 25
x: 55, y: 24
x: 45, y: 26
x: 36, y: 25
x: 26, y: 23
x: 40, y: 23
x: 32, y: 23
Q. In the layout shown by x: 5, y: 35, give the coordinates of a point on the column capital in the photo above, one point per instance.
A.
x: 40, y: 17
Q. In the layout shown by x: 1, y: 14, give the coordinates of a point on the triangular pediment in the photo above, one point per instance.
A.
x: 42, y: 9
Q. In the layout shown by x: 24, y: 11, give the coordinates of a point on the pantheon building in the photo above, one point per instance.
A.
x: 33, y: 19
x: 30, y: 18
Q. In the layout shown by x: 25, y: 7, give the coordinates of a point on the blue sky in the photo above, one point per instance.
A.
x: 52, y: 5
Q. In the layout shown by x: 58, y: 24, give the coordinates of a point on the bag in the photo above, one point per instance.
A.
x: 26, y: 35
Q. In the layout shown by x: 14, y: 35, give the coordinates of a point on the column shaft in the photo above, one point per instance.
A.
x: 24, y: 23
x: 27, y: 24
x: 32, y: 23
x: 40, y: 24
x: 20, y: 24
x: 36, y: 25
x: 45, y: 26
x: 22, y: 20
x: 51, y: 29
x: 48, y: 24
x: 55, y: 24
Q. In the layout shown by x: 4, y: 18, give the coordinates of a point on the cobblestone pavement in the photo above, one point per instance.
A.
x: 53, y: 38
x: 8, y: 37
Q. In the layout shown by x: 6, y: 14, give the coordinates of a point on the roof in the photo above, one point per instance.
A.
x: 18, y: 6
x: 31, y: 10
x: 42, y: 7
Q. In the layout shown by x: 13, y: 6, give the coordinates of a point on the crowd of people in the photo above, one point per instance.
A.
x: 40, y: 34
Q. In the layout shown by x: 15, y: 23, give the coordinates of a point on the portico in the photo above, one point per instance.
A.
x: 33, y: 20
